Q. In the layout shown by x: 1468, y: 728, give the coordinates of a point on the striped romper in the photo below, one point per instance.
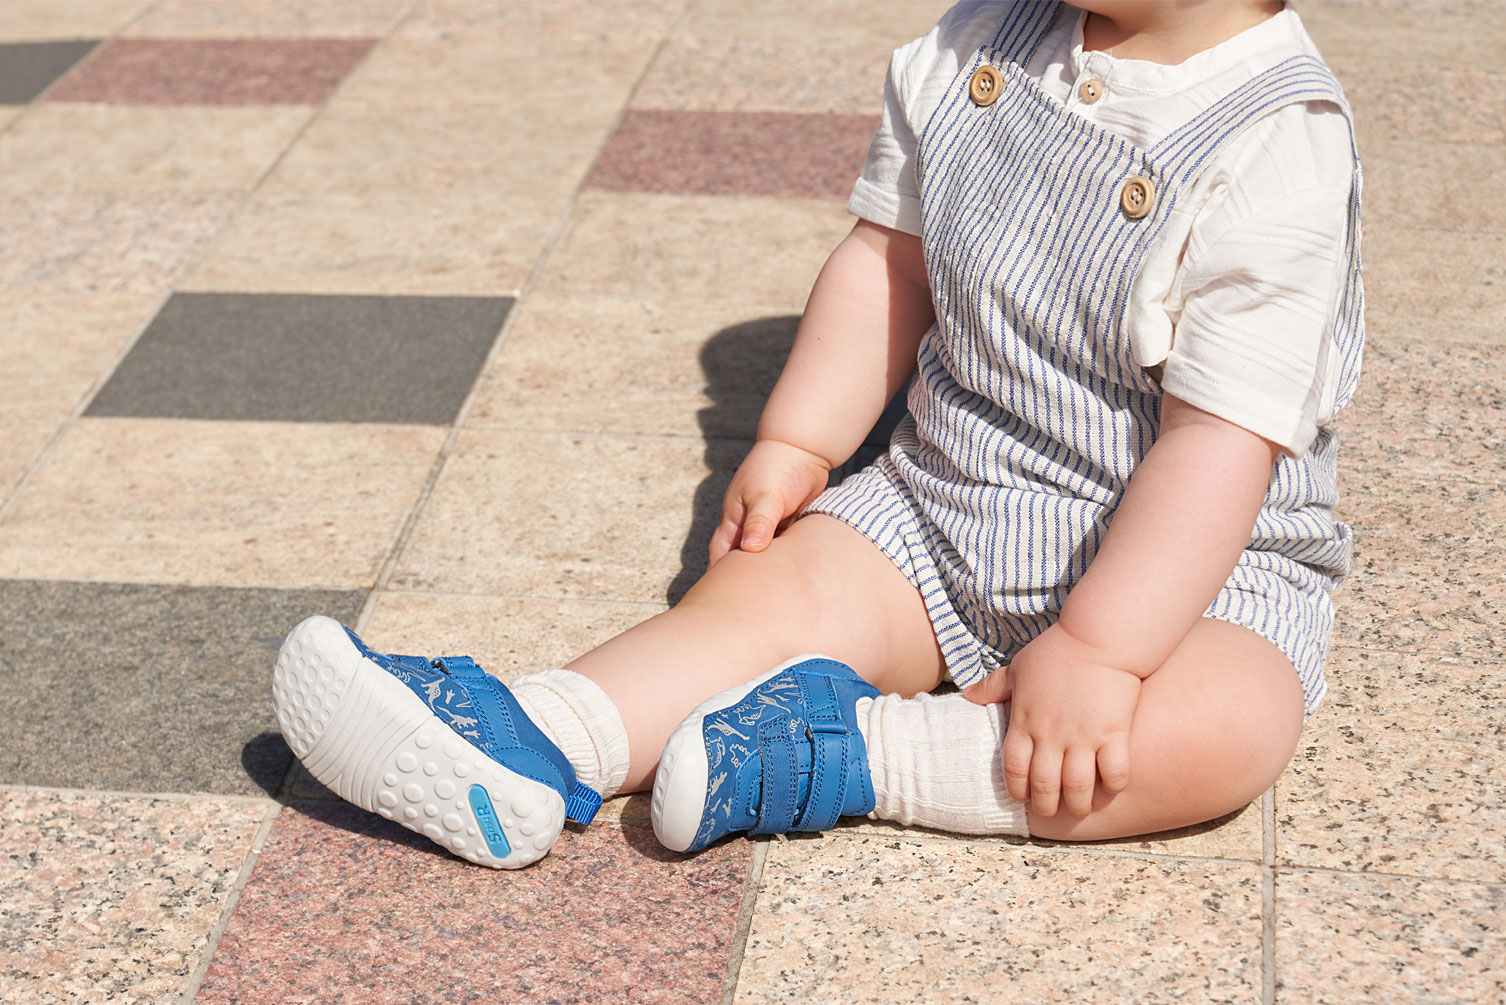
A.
x: 1027, y: 414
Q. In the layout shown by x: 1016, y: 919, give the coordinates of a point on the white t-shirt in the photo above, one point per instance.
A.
x: 1236, y: 299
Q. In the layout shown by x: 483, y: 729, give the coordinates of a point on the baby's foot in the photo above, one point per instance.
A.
x: 437, y: 745
x: 780, y: 753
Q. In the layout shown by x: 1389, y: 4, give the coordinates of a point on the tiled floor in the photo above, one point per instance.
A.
x: 451, y: 318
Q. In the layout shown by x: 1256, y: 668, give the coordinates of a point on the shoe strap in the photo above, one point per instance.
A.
x: 831, y: 747
x: 830, y: 743
x: 781, y: 775
x: 583, y: 803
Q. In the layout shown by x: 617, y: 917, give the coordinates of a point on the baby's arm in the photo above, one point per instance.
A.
x: 855, y: 347
x: 1185, y: 518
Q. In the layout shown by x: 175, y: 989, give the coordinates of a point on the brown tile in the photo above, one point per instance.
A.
x: 1428, y: 411
x: 344, y: 903
x: 1429, y: 571
x: 724, y: 73
x: 635, y: 367
x: 104, y: 243
x: 217, y: 503
x: 93, y: 148
x: 461, y: 243
x: 213, y: 71
x: 540, y: 153
x: 568, y: 515
x: 734, y: 153
x: 878, y: 920
x: 509, y: 636
x: 282, y: 19
x: 1363, y: 939
x: 1402, y: 771
x: 1447, y: 186
x: 113, y: 897
x: 48, y: 20
x: 674, y: 250
x: 58, y: 348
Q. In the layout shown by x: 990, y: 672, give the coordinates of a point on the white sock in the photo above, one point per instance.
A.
x: 937, y: 761
x: 577, y: 715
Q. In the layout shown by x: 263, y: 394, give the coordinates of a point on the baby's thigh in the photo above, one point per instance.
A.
x: 824, y: 587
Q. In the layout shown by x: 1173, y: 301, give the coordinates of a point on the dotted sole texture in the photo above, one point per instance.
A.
x: 360, y: 731
x: 680, y: 784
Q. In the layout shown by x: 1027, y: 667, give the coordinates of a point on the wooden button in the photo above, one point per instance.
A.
x: 1136, y: 197
x: 1090, y: 91
x: 985, y: 85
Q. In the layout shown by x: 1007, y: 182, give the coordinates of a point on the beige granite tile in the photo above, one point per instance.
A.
x: 868, y: 919
x: 1429, y: 32
x: 22, y: 444
x: 1446, y: 186
x: 1429, y: 567
x: 269, y: 19
x: 1366, y: 939
x: 104, y: 242
x: 509, y: 636
x: 463, y: 243
x: 57, y: 348
x: 9, y: 114
x: 115, y: 148
x: 515, y: 69
x: 1446, y: 278
x: 218, y: 503
x: 113, y: 897
x: 564, y: 515
x: 1235, y: 836
x: 635, y: 367
x: 676, y: 250
x: 546, y: 20
x: 52, y: 20
x: 732, y: 74
x: 541, y: 152
x: 1450, y: 102
x: 1429, y: 411
x: 888, y: 22
x: 1402, y: 771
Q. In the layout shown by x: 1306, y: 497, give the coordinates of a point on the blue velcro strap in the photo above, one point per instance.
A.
x: 781, y: 777
x: 582, y: 804
x: 830, y: 742
x: 460, y: 666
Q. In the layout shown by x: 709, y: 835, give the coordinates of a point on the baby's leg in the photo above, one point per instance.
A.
x: 1215, y: 727
x: 819, y: 587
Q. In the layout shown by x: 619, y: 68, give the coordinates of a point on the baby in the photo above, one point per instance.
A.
x: 1117, y: 246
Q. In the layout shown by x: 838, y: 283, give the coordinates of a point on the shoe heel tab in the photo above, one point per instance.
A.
x: 582, y: 804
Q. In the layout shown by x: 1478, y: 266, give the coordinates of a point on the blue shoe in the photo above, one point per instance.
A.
x: 781, y: 753
x: 437, y: 745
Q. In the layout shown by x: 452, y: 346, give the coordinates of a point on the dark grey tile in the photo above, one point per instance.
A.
x: 306, y: 358
x: 29, y: 68
x: 147, y: 688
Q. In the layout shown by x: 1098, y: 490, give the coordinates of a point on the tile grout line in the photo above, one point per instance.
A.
x: 1268, y: 897
x: 389, y: 565
x: 212, y: 942
x: 744, y: 921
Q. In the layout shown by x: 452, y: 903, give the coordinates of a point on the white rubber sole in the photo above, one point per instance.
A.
x: 360, y: 731
x: 680, y: 784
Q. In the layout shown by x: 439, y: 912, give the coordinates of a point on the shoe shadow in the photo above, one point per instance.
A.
x: 266, y: 758
x: 741, y: 364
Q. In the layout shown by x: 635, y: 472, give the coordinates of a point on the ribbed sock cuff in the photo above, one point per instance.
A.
x: 574, y: 712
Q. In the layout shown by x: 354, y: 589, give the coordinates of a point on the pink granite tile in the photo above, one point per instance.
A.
x: 104, y: 242
x: 109, y: 897
x: 726, y: 153
x: 345, y: 904
x: 1426, y: 411
x: 213, y: 71
x: 1451, y: 103
x: 269, y: 19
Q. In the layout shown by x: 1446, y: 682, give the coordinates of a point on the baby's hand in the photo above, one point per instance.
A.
x: 775, y: 481
x: 1069, y: 724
